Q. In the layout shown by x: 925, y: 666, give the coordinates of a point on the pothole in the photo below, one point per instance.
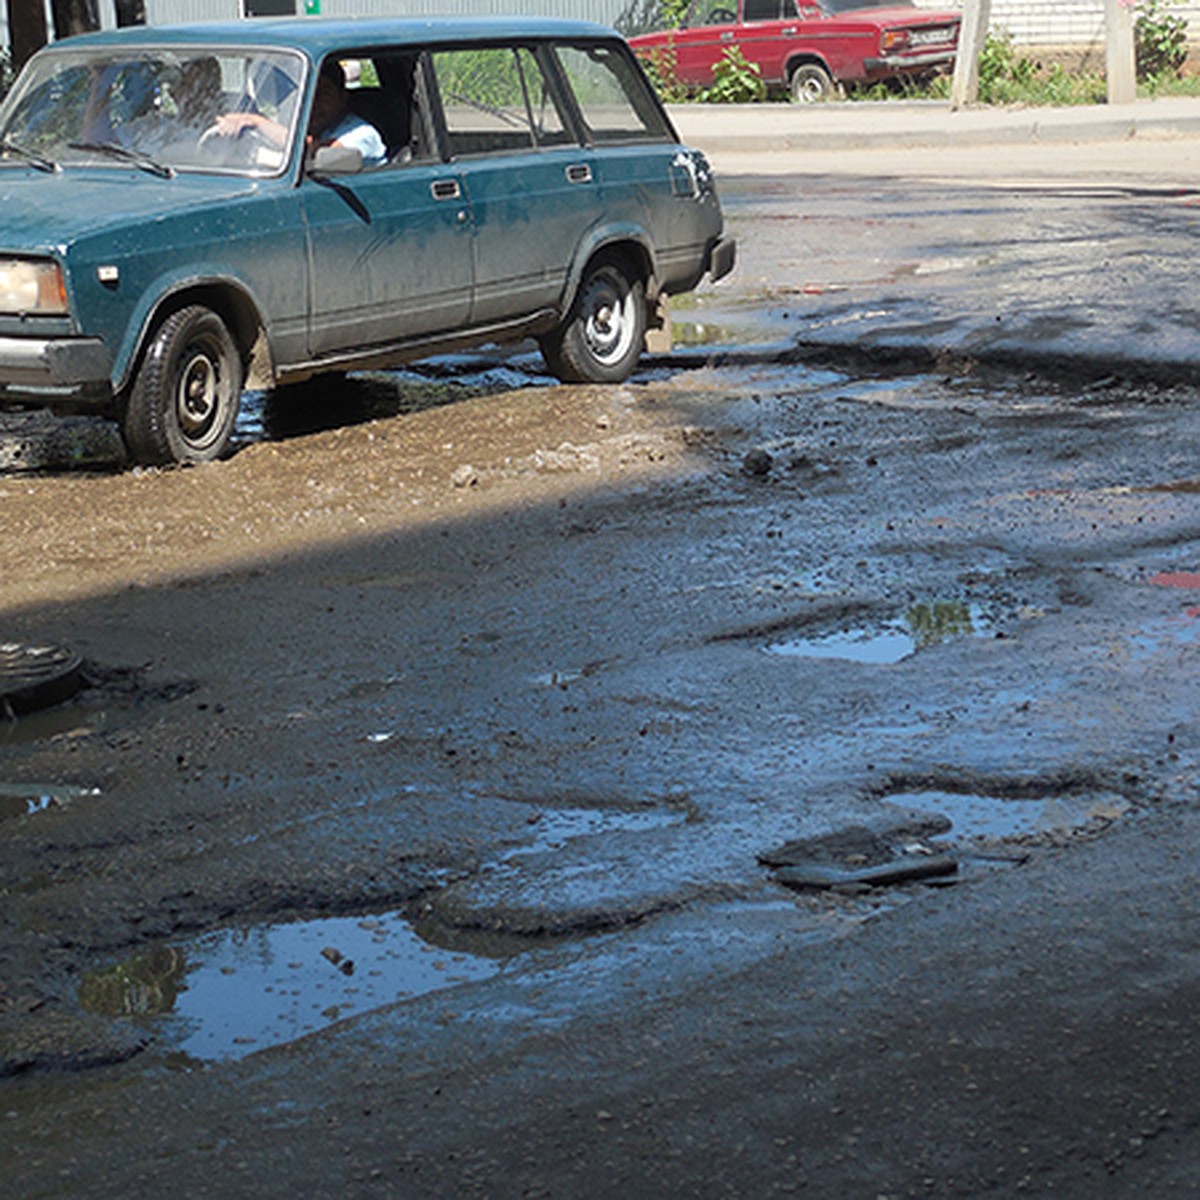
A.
x: 230, y: 993
x: 922, y: 626
x: 979, y: 821
x: 94, y: 699
x: 79, y: 717
x: 553, y: 828
x: 942, y: 837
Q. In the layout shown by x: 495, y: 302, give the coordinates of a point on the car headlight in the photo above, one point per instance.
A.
x: 895, y: 40
x: 30, y: 286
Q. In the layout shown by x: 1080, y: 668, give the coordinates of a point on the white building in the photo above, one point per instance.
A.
x: 1075, y: 26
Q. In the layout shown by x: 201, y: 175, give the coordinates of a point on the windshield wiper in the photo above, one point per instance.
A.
x: 8, y: 146
x: 139, y: 158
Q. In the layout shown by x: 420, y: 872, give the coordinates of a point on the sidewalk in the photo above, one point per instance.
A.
x: 751, y: 128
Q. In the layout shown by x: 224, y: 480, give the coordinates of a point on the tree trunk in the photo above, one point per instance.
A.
x: 74, y: 16
x: 26, y: 29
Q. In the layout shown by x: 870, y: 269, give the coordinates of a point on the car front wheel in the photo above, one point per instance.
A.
x: 810, y: 83
x: 601, y: 339
x: 184, y: 400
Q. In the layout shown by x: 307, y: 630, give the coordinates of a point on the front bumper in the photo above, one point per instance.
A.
x: 898, y: 64
x: 54, y: 371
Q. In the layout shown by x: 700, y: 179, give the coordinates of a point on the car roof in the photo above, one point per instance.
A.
x: 317, y: 36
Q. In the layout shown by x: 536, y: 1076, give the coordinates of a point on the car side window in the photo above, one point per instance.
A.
x: 381, y: 89
x: 711, y: 12
x: 495, y: 99
x: 612, y: 93
x: 764, y: 10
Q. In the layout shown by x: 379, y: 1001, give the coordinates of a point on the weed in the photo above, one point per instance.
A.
x: 1160, y: 40
x: 735, y: 81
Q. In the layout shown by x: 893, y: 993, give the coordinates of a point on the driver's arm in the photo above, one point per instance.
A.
x: 235, y: 123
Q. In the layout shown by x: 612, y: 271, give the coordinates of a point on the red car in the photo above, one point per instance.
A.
x: 806, y: 46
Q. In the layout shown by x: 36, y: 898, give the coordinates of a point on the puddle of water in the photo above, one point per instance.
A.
x: 980, y: 818
x: 231, y: 993
x: 924, y: 625
x: 25, y: 799
x: 557, y: 826
x: 67, y: 720
x: 852, y: 646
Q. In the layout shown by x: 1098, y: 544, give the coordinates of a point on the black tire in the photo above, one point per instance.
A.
x: 184, y: 399
x: 810, y: 83
x: 602, y: 337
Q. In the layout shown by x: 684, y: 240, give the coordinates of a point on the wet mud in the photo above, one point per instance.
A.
x: 485, y: 720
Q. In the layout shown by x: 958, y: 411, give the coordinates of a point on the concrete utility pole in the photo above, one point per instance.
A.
x: 964, y: 88
x: 1120, y: 61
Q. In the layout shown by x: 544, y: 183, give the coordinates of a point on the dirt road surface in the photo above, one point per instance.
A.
x: 426, y: 825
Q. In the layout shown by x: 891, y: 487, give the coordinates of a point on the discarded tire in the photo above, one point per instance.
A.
x: 33, y: 677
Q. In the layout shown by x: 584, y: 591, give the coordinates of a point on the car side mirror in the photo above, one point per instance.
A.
x: 335, y: 160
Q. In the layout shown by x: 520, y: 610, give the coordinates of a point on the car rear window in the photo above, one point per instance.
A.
x: 496, y: 99
x: 613, y: 96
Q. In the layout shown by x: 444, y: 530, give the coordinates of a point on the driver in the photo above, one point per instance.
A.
x: 331, y: 123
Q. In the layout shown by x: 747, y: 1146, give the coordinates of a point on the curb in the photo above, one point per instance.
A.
x: 767, y: 128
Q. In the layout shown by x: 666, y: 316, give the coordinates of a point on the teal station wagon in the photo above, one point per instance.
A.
x: 189, y: 210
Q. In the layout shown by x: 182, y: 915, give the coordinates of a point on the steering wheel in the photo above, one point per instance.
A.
x: 722, y: 16
x: 245, y: 144
x: 208, y: 137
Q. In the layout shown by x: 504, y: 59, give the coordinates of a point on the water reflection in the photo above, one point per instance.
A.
x: 924, y: 625
x: 939, y: 621
x: 25, y: 799
x: 230, y: 993
x: 147, y: 985
x: 976, y: 817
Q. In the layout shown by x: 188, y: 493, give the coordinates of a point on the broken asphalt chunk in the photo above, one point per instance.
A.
x: 824, y: 875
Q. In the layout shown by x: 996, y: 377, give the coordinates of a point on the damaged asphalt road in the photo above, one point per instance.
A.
x: 573, y: 683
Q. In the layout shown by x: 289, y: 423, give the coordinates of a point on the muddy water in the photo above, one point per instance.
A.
x: 229, y: 994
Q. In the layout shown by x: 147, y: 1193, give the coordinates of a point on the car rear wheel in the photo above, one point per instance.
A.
x: 811, y: 83
x: 601, y: 339
x: 184, y: 400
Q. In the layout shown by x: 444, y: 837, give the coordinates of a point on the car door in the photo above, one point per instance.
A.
x: 769, y: 35
x: 710, y: 28
x: 531, y: 186
x: 390, y: 248
x: 652, y: 188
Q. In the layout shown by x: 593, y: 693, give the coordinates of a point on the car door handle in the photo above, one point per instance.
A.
x: 790, y: 31
x: 445, y: 189
x: 579, y: 173
x: 727, y: 37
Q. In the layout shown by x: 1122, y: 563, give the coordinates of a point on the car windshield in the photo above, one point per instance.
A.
x: 154, y: 108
